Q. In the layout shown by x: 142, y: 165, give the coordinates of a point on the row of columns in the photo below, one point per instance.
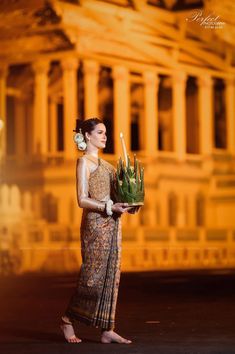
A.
x: 157, y: 209
x: 70, y: 100
x: 205, y: 104
x: 122, y: 117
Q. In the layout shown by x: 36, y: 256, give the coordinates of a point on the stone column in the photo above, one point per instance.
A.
x: 3, y: 113
x: 70, y: 66
x: 29, y: 111
x: 40, y: 118
x: 179, y: 114
x: 230, y: 115
x: 151, y: 83
x: 53, y: 125
x: 205, y: 114
x: 20, y: 127
x: 91, y: 77
x: 121, y: 108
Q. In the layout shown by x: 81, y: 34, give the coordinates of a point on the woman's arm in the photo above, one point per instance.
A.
x: 84, y: 201
x: 82, y: 177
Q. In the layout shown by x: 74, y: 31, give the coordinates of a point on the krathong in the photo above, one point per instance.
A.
x: 129, y: 180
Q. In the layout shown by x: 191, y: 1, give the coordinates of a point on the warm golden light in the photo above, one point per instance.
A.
x: 161, y: 88
x: 1, y: 124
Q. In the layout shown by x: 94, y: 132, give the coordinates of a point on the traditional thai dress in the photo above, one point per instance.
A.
x: 95, y: 297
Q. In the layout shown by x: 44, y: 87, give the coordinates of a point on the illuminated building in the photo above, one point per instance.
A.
x: 163, y: 79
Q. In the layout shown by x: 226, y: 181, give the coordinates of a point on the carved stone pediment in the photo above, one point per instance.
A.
x: 141, y: 29
x: 29, y: 27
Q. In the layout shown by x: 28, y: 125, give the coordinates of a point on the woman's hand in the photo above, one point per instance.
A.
x: 134, y: 209
x: 121, y: 208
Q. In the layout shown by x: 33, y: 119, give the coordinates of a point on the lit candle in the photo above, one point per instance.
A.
x: 123, y: 147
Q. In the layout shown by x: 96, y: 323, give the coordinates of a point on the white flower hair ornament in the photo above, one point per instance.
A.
x: 79, y: 140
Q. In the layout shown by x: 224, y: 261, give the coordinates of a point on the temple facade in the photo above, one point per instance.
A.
x: 162, y: 72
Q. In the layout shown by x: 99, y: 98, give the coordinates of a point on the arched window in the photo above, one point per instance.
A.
x: 172, y: 209
x: 158, y: 213
x: 50, y: 208
x: 200, y: 210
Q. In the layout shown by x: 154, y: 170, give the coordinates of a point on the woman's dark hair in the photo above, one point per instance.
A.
x: 86, y: 125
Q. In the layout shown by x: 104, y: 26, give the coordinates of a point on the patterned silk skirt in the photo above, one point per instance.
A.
x: 94, y: 299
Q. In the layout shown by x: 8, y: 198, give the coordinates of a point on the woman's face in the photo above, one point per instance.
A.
x: 98, y: 136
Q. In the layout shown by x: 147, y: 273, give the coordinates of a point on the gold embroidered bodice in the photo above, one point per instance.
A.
x: 94, y: 182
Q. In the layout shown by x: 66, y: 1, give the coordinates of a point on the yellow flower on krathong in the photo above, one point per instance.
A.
x: 133, y: 180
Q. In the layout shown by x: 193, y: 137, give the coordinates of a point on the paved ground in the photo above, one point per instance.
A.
x: 162, y: 312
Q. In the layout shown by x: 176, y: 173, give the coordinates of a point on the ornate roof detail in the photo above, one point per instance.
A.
x: 148, y: 31
x: 30, y: 28
x: 46, y: 15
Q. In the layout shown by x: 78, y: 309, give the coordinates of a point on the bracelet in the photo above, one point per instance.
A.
x: 101, y: 207
x: 108, y: 207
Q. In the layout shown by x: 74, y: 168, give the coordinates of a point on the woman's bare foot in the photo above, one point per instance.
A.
x: 111, y: 336
x: 68, y: 331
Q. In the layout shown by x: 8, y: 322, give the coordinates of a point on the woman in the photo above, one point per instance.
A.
x: 94, y: 299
